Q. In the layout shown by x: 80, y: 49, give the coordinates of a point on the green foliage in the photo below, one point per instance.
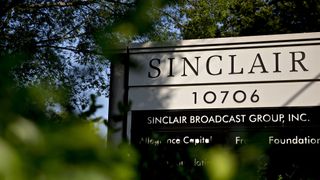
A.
x: 218, y: 18
x: 29, y: 151
x: 246, y: 162
x: 69, y: 43
x: 52, y: 55
x: 205, y: 17
x: 38, y: 141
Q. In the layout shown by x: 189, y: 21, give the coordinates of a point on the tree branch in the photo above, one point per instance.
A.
x: 70, y: 49
x: 61, y: 38
x: 69, y: 4
x: 175, y: 19
x: 57, y: 4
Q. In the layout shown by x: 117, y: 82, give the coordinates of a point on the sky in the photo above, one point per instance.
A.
x: 103, y: 113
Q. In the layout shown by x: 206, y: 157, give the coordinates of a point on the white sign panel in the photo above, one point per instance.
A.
x: 227, y: 72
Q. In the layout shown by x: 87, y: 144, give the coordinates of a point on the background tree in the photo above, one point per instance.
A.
x: 67, y: 42
x: 218, y: 18
x: 52, y: 55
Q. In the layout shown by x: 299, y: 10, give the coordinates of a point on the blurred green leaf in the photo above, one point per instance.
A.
x: 222, y: 163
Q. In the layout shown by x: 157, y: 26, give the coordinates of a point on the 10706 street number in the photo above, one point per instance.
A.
x: 238, y: 96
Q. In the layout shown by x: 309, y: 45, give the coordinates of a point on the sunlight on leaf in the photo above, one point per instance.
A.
x: 126, y: 29
x: 26, y: 131
x: 222, y: 163
x: 10, y: 164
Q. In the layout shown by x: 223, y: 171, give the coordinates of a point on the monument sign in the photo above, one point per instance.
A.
x: 206, y: 92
